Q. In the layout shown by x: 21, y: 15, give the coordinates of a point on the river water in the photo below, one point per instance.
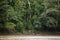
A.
x: 29, y: 38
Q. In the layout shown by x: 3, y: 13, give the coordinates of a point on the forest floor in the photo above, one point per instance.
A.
x: 32, y: 34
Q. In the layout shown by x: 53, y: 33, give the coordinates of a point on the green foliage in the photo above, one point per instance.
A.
x: 10, y: 25
x: 31, y: 16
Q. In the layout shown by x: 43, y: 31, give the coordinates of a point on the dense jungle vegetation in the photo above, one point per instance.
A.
x: 29, y: 16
